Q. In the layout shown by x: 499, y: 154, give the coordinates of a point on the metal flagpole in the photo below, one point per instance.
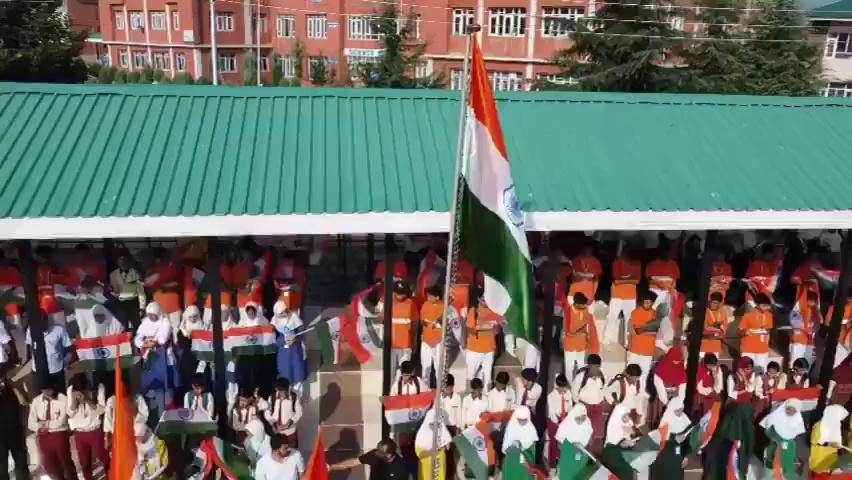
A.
x: 257, y: 39
x: 214, y: 55
x: 452, y: 249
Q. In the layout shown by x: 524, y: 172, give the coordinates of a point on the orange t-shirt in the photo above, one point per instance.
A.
x: 755, y: 320
x: 587, y: 265
x: 846, y: 328
x: 461, y: 296
x: 717, y: 319
x: 404, y: 313
x: 168, y: 299
x: 625, y: 269
x: 431, y: 312
x: 663, y: 268
x: 484, y: 341
x: 577, y: 330
x: 225, y: 299
x: 642, y: 342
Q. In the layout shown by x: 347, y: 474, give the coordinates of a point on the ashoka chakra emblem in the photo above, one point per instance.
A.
x: 101, y: 352
x: 415, y: 414
x: 479, y: 444
x: 512, y: 206
x: 252, y: 339
x: 184, y: 414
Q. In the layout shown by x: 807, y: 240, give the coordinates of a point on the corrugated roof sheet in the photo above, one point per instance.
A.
x: 101, y: 151
x: 840, y: 10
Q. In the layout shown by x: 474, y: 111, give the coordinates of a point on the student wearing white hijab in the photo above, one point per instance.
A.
x: 520, y: 431
x: 101, y: 324
x: 620, y: 435
x: 257, y: 441
x: 159, y: 372
x: 423, y: 445
x: 782, y: 426
x: 191, y: 320
x: 574, y: 430
x: 675, y: 447
x: 151, y: 453
x: 826, y: 438
x: 251, y: 316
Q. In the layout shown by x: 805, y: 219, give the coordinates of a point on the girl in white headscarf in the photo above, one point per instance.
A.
x: 251, y: 316
x: 423, y: 445
x: 159, y: 370
x: 152, y: 456
x: 257, y: 441
x: 620, y: 435
x: 191, y: 320
x: 291, y: 358
x: 674, y: 447
x: 574, y: 430
x: 826, y: 438
x: 520, y: 431
x: 782, y: 426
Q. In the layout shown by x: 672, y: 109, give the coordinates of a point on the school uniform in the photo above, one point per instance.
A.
x: 430, y: 346
x: 291, y: 467
x: 579, y: 338
x: 85, y: 419
x: 626, y: 274
x: 481, y: 345
x: 49, y: 420
x: 754, y: 328
x: 283, y: 410
x: 589, y: 390
x: 632, y: 396
x: 558, y: 405
x: 200, y: 402
x: 662, y: 277
x: 239, y: 418
x: 527, y: 397
x: 642, y: 342
x: 402, y: 332
x: 56, y: 345
x: 127, y: 286
x: 472, y: 409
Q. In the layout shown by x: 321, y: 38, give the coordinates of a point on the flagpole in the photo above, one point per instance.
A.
x: 452, y: 248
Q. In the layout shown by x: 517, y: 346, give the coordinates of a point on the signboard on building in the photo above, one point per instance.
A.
x: 364, y: 52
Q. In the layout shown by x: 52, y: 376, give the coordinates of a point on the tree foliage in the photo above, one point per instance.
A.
x: 38, y: 44
x: 403, y: 52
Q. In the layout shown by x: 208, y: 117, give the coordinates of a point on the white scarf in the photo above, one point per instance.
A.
x: 616, y: 429
x: 257, y: 441
x: 571, y: 431
x: 192, y: 320
x: 786, y: 426
x: 426, y: 432
x: 830, y: 430
x: 523, y: 436
x: 258, y: 320
x: 676, y: 423
x: 285, y: 321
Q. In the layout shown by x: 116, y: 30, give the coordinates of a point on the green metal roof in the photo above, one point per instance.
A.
x: 839, y: 10
x: 69, y: 151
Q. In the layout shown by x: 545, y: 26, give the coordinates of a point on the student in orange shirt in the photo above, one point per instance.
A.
x: 431, y: 322
x: 663, y: 274
x: 716, y: 324
x: 643, y: 322
x: 754, y: 330
x: 626, y: 274
x: 586, y: 271
x: 482, y: 326
x: 402, y: 333
x: 162, y: 277
x: 805, y: 323
x: 580, y: 335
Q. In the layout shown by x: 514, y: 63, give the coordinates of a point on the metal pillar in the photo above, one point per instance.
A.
x: 699, y: 309
x: 388, y: 325
x: 219, y: 382
x: 36, y: 320
x: 371, y: 258
x: 841, y: 292
x: 544, y: 375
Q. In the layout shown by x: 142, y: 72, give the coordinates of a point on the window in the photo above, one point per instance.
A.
x: 317, y: 60
x: 838, y: 45
x: 140, y: 59
x: 264, y: 64
x: 505, y: 81
x: 227, y: 62
x: 462, y: 17
x: 508, y: 22
x: 317, y: 26
x: 422, y: 69
x: 838, y: 90
x: 137, y: 20
x: 557, y: 79
x: 158, y: 20
x: 262, y: 23
x: 161, y: 60
x: 175, y: 20
x: 355, y: 62
x: 288, y: 66
x: 180, y: 62
x: 119, y: 20
x: 224, y: 22
x: 456, y: 82
x: 677, y: 23
x: 286, y: 26
x: 123, y: 59
x: 556, y: 19
x: 361, y: 27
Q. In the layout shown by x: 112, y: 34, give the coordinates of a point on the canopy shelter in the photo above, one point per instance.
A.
x: 95, y: 161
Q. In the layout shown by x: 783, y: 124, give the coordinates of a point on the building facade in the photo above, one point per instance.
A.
x: 519, y: 37
x: 833, y: 29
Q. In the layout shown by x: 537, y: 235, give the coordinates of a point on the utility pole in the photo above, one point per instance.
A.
x: 257, y: 33
x: 214, y: 55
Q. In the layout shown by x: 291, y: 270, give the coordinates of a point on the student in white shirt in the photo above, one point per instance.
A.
x: 48, y: 419
x: 281, y: 463
x: 284, y: 411
x: 628, y: 389
x: 528, y: 390
x: 140, y: 415
x: 242, y: 413
x: 474, y: 404
x: 588, y: 388
x: 451, y: 403
x: 85, y: 418
x: 501, y: 398
x: 199, y: 399
x: 58, y: 349
x: 406, y: 382
x: 558, y: 405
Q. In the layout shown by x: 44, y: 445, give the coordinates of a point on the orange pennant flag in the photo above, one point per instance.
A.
x: 123, y: 438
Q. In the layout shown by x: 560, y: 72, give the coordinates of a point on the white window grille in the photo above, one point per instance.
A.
x: 119, y: 20
x: 462, y: 17
x: 158, y: 20
x: 180, y: 62
x: 161, y: 60
x: 225, y: 22
x: 361, y: 27
x: 227, y: 62
x: 288, y: 66
x: 555, y: 20
x: 317, y: 26
x: 508, y: 22
x: 505, y: 81
x: 285, y: 26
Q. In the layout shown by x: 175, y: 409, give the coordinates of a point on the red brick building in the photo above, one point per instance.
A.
x: 518, y: 36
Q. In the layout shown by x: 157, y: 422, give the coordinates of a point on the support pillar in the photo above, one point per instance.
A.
x: 220, y: 386
x: 36, y: 320
x: 696, y: 326
x: 841, y: 292
x: 388, y: 325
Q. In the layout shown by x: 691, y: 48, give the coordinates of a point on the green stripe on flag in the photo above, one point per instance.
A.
x: 471, y: 457
x: 486, y: 241
x: 407, y: 427
x: 107, y: 364
x: 252, y: 350
x: 170, y: 428
x: 328, y: 350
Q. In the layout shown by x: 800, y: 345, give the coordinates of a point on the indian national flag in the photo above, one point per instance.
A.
x: 496, y: 420
x: 477, y: 449
x: 492, y: 224
x: 251, y: 340
x: 185, y: 421
x: 328, y: 333
x: 100, y: 353
x: 700, y: 437
x: 644, y: 452
x: 405, y: 412
x: 576, y: 463
x: 808, y: 396
x: 357, y: 329
x: 229, y: 459
x: 202, y: 346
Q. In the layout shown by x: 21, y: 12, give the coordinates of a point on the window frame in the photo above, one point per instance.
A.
x: 180, y: 58
x: 224, y: 21
x: 459, y: 17
x: 160, y: 24
x: 553, y: 22
x: 509, y: 22
x: 137, y: 20
x: 288, y: 22
x: 230, y: 61
x: 119, y: 20
x: 175, y: 20
x: 317, y: 26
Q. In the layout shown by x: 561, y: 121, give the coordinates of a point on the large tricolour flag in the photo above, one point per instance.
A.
x: 808, y: 396
x: 404, y: 413
x: 100, y: 353
x: 491, y: 232
x: 475, y: 446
